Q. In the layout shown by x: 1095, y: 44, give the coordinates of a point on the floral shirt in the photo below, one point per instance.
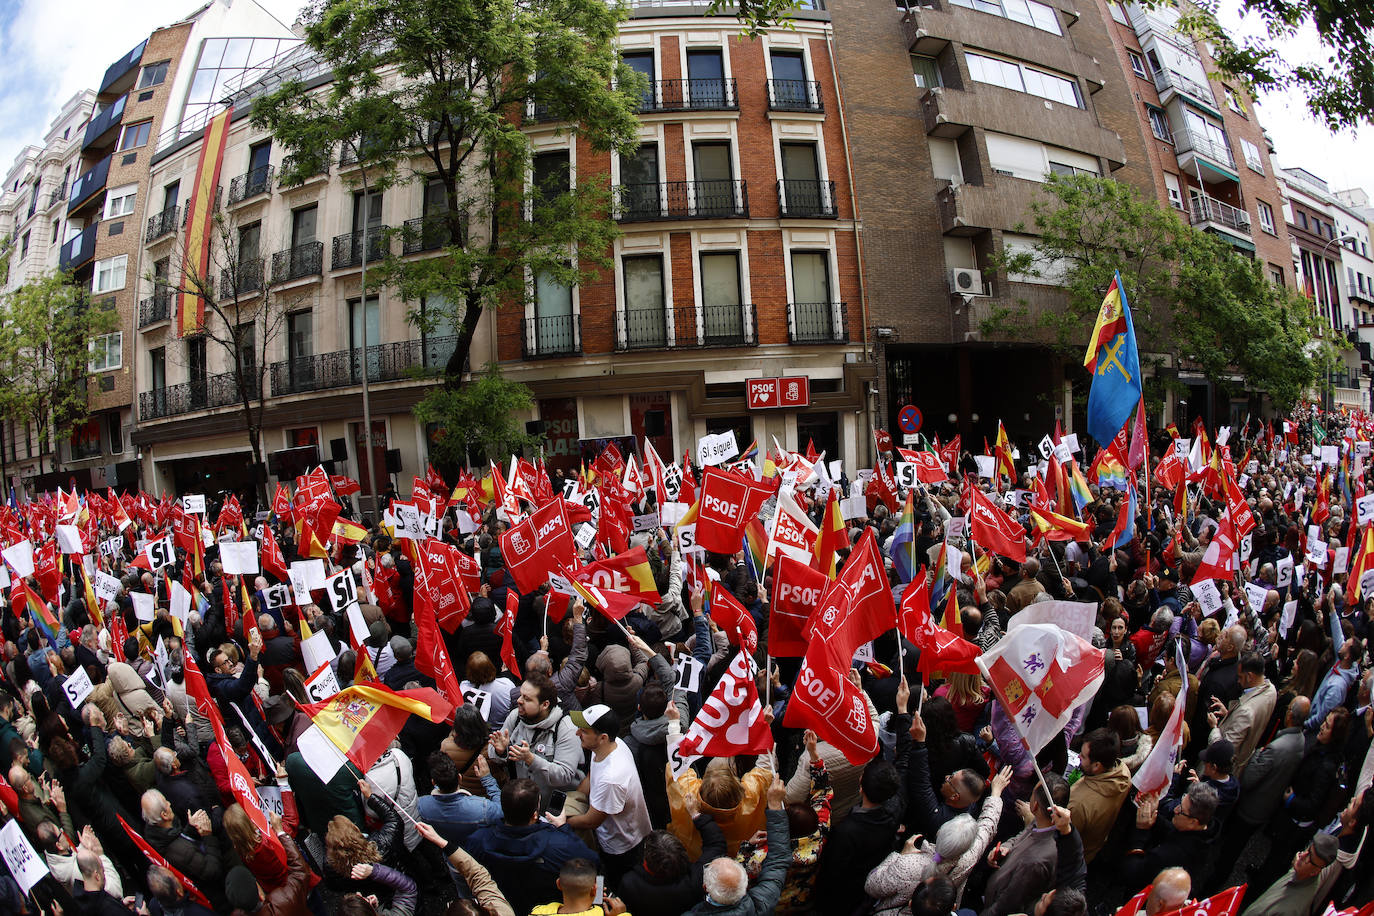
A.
x: 806, y: 851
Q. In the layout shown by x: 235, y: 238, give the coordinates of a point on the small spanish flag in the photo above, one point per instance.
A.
x: 363, y: 720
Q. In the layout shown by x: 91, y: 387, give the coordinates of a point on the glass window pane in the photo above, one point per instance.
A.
x: 810, y: 277
x: 720, y: 279
x: 211, y: 53
x: 645, y: 324
x: 236, y: 53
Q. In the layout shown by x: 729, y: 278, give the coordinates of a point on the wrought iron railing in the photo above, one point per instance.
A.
x: 251, y: 183
x: 157, y: 307
x: 693, y: 327
x: 552, y: 335
x: 425, y: 233
x: 304, y: 260
x: 348, y: 248
x: 243, y: 279
x: 207, y: 393
x: 817, y: 322
x: 690, y: 95
x: 1209, y: 209
x: 795, y: 95
x: 342, y: 368
x: 160, y: 224
x: 806, y: 198
x: 709, y: 199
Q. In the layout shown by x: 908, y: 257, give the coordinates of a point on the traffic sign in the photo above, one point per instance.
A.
x: 909, y: 419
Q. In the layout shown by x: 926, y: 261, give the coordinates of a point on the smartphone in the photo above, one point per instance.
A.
x: 600, y: 890
x: 556, y: 801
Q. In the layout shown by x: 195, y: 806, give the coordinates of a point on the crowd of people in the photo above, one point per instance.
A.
x: 557, y: 786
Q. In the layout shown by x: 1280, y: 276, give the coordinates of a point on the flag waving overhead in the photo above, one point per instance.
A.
x: 1114, y: 361
x: 993, y: 530
x: 1041, y: 673
x: 731, y: 720
x: 362, y: 721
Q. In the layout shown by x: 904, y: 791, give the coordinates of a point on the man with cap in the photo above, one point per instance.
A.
x: 1246, y: 719
x: 617, y: 810
x: 1295, y: 893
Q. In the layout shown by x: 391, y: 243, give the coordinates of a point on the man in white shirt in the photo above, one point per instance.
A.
x: 617, y: 812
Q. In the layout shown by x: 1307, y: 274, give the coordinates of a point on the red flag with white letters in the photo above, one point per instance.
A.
x: 994, y: 531
x: 538, y: 545
x: 733, y: 618
x: 731, y: 720
x: 797, y: 589
x: 728, y: 501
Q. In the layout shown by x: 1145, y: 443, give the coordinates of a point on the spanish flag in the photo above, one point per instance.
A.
x: 92, y: 605
x: 628, y: 572
x: 308, y: 543
x: 1051, y: 526
x: 363, y: 720
x: 1005, y: 465
x: 832, y: 536
x: 346, y: 532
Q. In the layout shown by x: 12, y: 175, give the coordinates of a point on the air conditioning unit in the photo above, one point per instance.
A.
x: 966, y: 281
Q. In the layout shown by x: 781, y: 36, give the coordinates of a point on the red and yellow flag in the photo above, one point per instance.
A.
x: 362, y: 721
x: 200, y: 209
x: 1051, y: 526
x: 832, y: 535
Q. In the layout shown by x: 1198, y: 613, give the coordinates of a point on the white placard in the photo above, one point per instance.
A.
x: 1063, y: 452
x: 646, y: 522
x: 717, y: 449
x: 1341, y: 562
x: 320, y: 753
x: 409, y: 524
x: 1208, y: 596
x: 669, y: 514
x: 678, y: 761
x: 322, y: 684
x: 193, y: 503
x: 1364, y: 510
x: 4, y: 576
x: 1046, y: 447
x: 957, y: 526
x: 686, y: 537
x: 161, y: 657
x: 145, y: 605
x: 106, y: 587
x: 1256, y: 595
x: 1290, y: 613
x: 24, y: 863
x: 69, y: 539
x: 688, y: 671
x: 112, y: 547
x: 1331, y: 455
x: 478, y: 698
x: 269, y: 797
x: 160, y: 553
x: 1284, y: 570
x: 318, y: 650
x: 20, y: 558
x: 357, y: 624
x: 1182, y: 447
x: 77, y: 687
x: 276, y: 596
x: 240, y: 559
x: 864, y: 653
x: 1247, y: 544
x: 179, y: 602
x: 1071, y: 440
x: 342, y: 590
x: 852, y: 507
x: 987, y: 466
x: 584, y: 535
x: 1316, y: 553
x: 911, y: 438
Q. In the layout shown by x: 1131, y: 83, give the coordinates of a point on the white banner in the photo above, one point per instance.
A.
x: 717, y: 449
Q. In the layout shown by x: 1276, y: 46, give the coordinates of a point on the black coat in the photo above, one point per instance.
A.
x: 646, y: 895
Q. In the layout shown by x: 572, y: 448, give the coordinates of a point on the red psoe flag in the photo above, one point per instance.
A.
x: 272, y: 559
x: 506, y: 627
x: 731, y: 720
x: 538, y: 546
x: 727, y: 502
x: 941, y: 650
x: 156, y: 858
x: 994, y: 531
x: 732, y: 617
x: 797, y: 590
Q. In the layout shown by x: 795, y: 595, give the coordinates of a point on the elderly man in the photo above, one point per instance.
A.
x: 190, y: 846
x: 33, y: 810
x: 61, y: 856
x: 1169, y: 891
x: 727, y: 886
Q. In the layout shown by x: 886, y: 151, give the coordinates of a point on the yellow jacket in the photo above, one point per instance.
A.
x: 738, y: 823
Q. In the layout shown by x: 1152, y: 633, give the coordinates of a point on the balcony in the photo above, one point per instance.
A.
x: 213, y: 391
x: 817, y: 322
x: 951, y: 112
x: 552, y: 335
x: 699, y: 327
x: 711, y: 199
x: 1171, y: 81
x: 343, y: 368
x: 425, y: 233
x: 289, y: 164
x: 157, y: 307
x: 304, y: 260
x: 243, y: 279
x: 79, y: 250
x: 164, y: 223
x: 251, y: 184
x: 56, y: 196
x: 1203, y: 209
x: 795, y: 95
x: 348, y: 248
x: 104, y: 127
x: 91, y: 183
x: 119, y: 76
x: 687, y: 95
x: 1199, y: 151
x: 800, y: 198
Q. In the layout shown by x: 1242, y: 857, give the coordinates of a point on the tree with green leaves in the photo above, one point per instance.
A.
x: 1192, y: 296
x: 46, y: 330
x: 483, y: 419
x: 442, y: 91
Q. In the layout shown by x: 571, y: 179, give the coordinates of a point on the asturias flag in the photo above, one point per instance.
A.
x: 1114, y: 361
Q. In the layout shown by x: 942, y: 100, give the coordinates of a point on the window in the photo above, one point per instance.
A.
x: 24, y: 247
x: 106, y: 352
x: 115, y: 431
x: 120, y: 201
x: 109, y: 273
x: 1159, y: 124
x: 551, y: 174
x: 645, y: 324
x: 1252, y: 155
x: 722, y: 315
x: 642, y: 62
x: 1276, y: 275
x: 1266, y: 217
x: 1022, y: 78
x: 802, y: 188
x: 303, y: 222
x: 1028, y: 12
x: 553, y: 312
x: 812, y: 311
x: 714, y: 174
x: 1211, y: 136
x: 1068, y: 171
x: 1302, y: 219
x: 153, y: 74
x: 135, y: 135
x: 706, y: 79
x: 157, y: 365
x: 170, y: 195
x: 926, y: 70
x: 639, y: 191
x: 56, y: 230
x: 1233, y: 101
x: 1118, y: 12
x: 1138, y: 64
x: 373, y: 316
x: 221, y: 59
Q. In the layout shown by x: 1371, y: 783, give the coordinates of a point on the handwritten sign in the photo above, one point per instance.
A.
x: 77, y: 687
x: 717, y: 449
x: 23, y: 861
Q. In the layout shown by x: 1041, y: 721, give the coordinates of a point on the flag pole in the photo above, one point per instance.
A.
x: 547, y: 596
